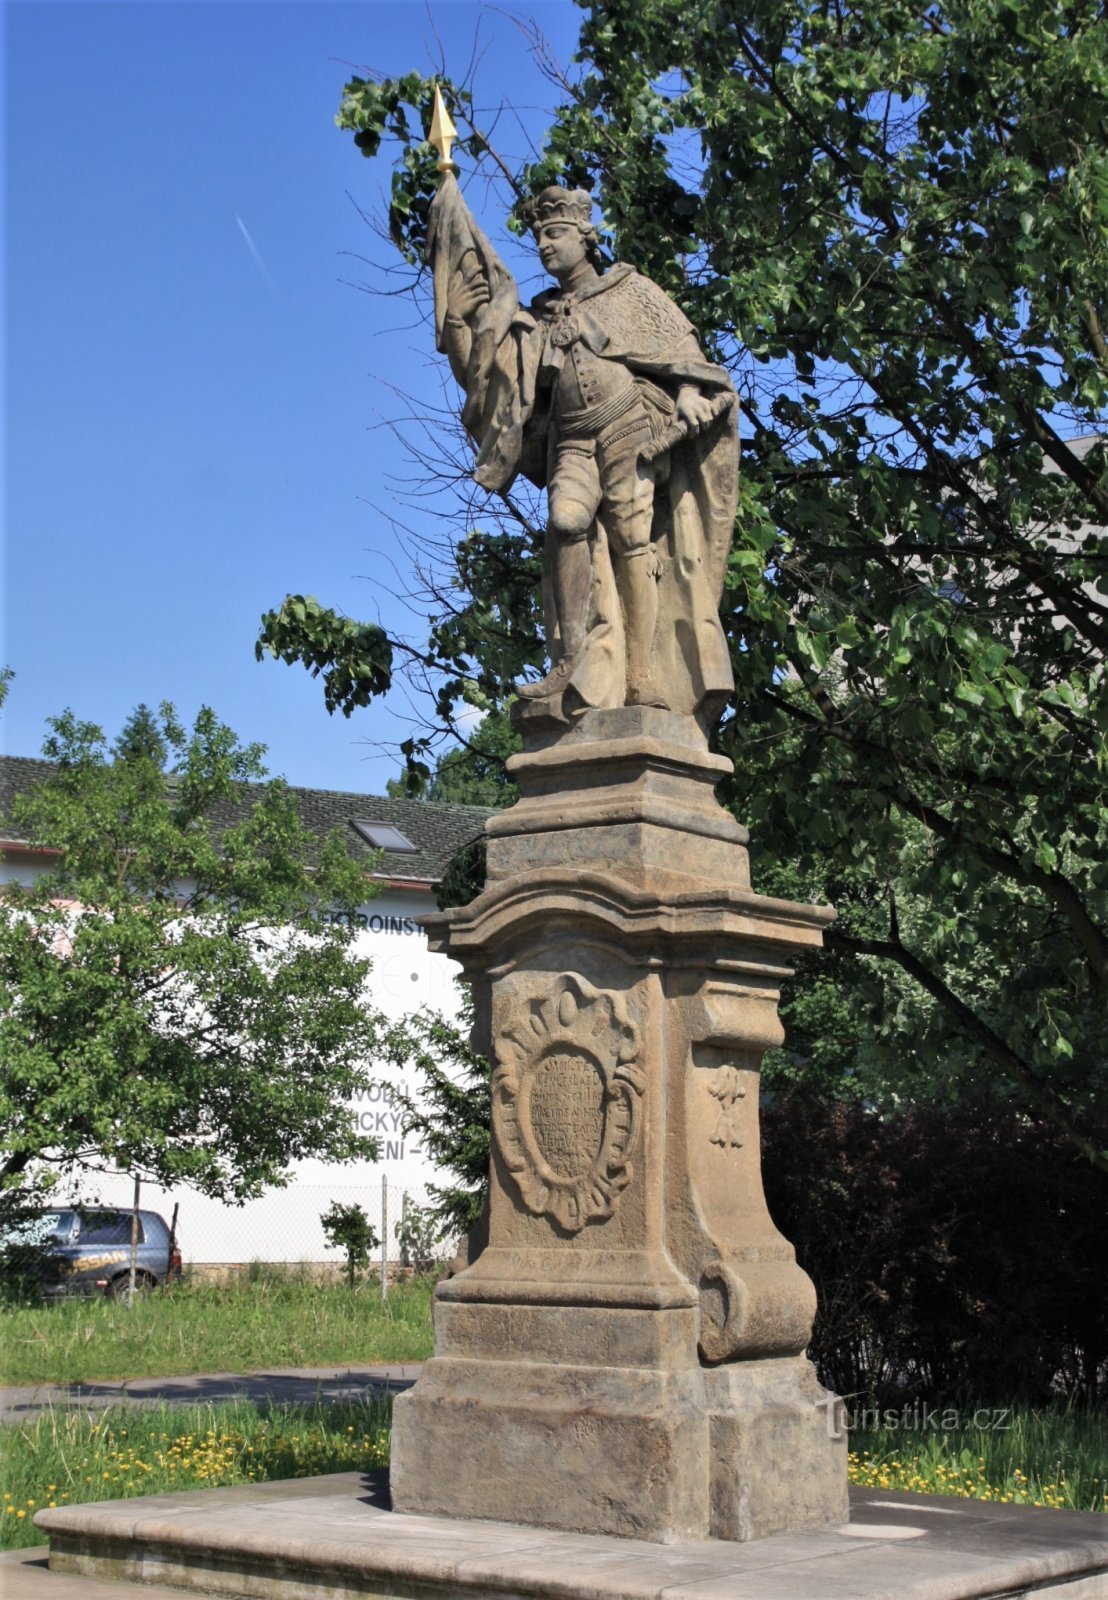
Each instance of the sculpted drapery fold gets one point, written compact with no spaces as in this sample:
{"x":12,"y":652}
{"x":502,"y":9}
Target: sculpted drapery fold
{"x":599,"y":392}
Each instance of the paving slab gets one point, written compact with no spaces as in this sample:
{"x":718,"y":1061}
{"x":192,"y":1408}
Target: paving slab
{"x":275,"y":1386}
{"x":337,"y":1537}
{"x":25,"y":1575}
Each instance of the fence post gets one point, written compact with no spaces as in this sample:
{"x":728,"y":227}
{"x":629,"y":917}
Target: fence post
{"x":133,"y":1273}
{"x":169,"y":1279}
{"x":405,"y":1259}
{"x":384,"y":1238}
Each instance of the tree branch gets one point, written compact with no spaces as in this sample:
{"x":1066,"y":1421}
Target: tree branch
{"x":1038,"y":1093}
{"x":1054,"y":885}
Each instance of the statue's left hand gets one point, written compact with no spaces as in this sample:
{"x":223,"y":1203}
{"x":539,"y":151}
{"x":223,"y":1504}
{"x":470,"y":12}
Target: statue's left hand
{"x":694,"y":409}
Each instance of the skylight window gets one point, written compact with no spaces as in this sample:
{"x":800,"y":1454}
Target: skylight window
{"x":383,"y":836}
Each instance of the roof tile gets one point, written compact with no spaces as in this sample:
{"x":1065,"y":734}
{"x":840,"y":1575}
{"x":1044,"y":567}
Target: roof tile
{"x":437,"y":831}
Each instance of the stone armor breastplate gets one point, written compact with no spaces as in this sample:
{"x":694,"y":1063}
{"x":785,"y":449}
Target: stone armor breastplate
{"x":590,"y":387}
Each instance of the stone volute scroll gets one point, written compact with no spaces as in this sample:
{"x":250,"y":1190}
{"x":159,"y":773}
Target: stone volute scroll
{"x":565,"y":1101}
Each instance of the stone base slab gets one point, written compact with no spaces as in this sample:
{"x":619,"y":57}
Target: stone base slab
{"x":335,"y":1538}
{"x":742,"y":1451}
{"x":597,"y":1449}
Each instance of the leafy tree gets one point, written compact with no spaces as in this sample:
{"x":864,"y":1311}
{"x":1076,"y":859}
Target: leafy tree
{"x":450,"y":1112}
{"x":347,"y":1227}
{"x":141,"y":735}
{"x":955,"y":1250}
{"x":473,"y":773}
{"x":892,"y":224}
{"x":22,"y":1196}
{"x":173,"y":1002}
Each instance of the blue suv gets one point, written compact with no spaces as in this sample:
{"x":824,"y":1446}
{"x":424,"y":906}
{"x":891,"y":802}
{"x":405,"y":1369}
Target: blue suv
{"x":87,"y":1250}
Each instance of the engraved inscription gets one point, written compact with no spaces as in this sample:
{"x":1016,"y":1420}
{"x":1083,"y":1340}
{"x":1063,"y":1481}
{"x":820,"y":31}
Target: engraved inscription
{"x":566,"y":1105}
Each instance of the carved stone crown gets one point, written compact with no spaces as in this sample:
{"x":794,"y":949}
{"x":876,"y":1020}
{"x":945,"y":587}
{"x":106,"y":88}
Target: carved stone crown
{"x":555,"y":204}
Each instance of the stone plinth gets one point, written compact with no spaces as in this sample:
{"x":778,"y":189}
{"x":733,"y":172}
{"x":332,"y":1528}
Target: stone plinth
{"x":626,"y":1355}
{"x":335,"y":1538}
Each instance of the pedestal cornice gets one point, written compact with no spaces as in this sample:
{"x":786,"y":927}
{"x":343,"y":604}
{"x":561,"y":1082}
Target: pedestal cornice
{"x":736,"y":921}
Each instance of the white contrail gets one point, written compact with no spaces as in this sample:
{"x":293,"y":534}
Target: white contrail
{"x":253,"y":249}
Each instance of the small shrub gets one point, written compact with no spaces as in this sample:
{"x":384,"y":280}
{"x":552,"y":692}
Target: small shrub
{"x":955,"y":1250}
{"x":417,"y":1234}
{"x":348,"y":1228}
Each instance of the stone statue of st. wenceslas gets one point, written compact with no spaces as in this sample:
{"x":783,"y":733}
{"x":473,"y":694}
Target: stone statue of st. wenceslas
{"x":598,"y":391}
{"x":623,"y":1351}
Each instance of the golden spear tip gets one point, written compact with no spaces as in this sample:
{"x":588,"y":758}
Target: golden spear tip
{"x":443,"y":133}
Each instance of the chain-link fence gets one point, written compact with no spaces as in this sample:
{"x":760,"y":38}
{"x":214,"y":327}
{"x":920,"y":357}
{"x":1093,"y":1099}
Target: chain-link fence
{"x":285,"y":1228}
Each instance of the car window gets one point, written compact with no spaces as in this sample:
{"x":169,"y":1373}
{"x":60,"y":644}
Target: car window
{"x":49,"y":1228}
{"x":107,"y":1227}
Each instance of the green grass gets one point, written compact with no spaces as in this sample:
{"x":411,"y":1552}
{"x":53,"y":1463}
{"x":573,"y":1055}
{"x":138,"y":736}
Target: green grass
{"x":276,"y":1320}
{"x":1053,"y":1457}
{"x":66,"y":1457}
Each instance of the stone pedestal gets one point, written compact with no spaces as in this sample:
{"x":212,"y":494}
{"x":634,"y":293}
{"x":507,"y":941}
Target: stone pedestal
{"x":626,"y":1354}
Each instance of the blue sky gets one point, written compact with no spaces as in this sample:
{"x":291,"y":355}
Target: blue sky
{"x":192,"y":387}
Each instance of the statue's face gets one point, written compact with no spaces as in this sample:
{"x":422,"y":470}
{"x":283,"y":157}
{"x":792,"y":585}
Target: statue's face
{"x":561,"y":247}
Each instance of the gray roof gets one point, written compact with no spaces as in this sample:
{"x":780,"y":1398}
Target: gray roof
{"x":437,"y":831}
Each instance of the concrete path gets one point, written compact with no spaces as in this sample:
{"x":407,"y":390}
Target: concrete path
{"x":279,"y":1386}
{"x":24,"y":1575}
